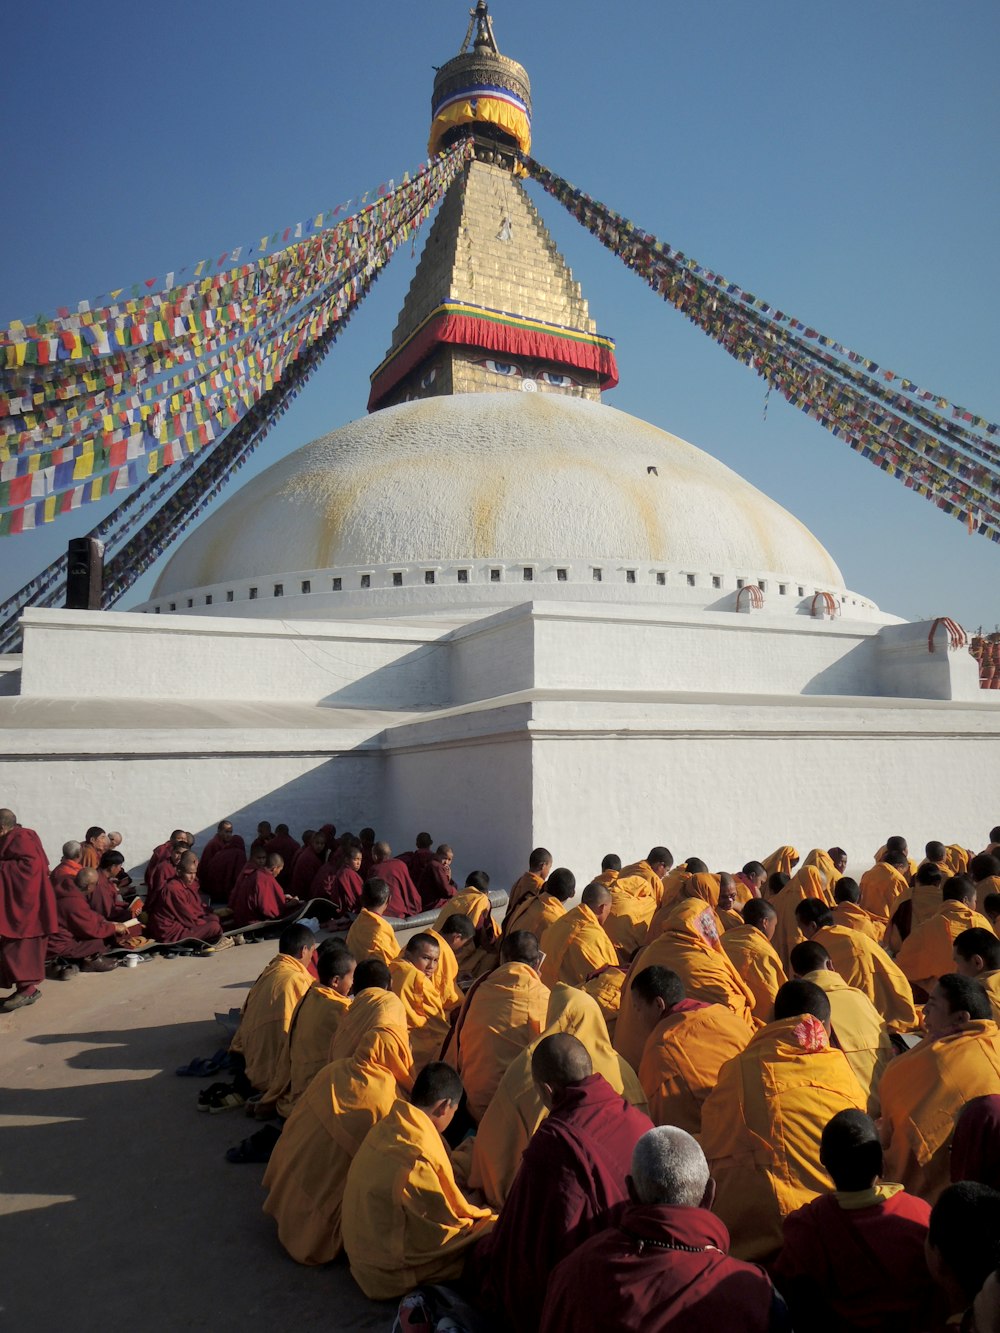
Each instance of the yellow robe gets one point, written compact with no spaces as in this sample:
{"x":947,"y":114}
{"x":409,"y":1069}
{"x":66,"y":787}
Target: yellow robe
{"x":759,"y":967}
{"x":473,"y":958}
{"x":575,"y":946}
{"x":528,"y":886}
{"x":517,"y":1109}
{"x":927,"y":951}
{"x":308,"y":1168}
{"x":761,"y":1128}
{"x":682,"y":1058}
{"x":633,"y":904}
{"x":816,"y":876}
{"x":405,"y":1220}
{"x":866,"y":965}
{"x":643,"y":870}
{"x":991,"y":984}
{"x":882,"y":890}
{"x":781,"y":862}
{"x":859,"y":1030}
{"x":372,"y":937}
{"x":266,"y":1015}
{"x":984,"y":888}
{"x":854,"y":917}
{"x":690,"y":947}
{"x":426,"y":1019}
{"x":814,"y":880}
{"x":306,"y":1048}
{"x":502,"y":1015}
{"x":606,"y":988}
{"x":534,"y":914}
{"x":731,"y":919}
{"x":956,"y":859}
{"x":686,"y":885}
{"x":922,"y":1093}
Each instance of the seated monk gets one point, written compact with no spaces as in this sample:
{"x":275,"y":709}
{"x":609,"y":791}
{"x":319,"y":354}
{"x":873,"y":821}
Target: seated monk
{"x":309,"y":860}
{"x":267,"y":1010}
{"x":113,"y":883}
{"x":923,"y":1090}
{"x":885,"y":886}
{"x":259,"y":897}
{"x":856,"y":1025}
{"x":917,"y":905}
{"x":691,"y":947}
{"x":530,"y":883}
{"x":652,"y":870}
{"x":503,"y":1012}
{"x":663,"y":1265}
{"x":371,"y":936}
{"x":606,"y":986}
{"x":725,"y":908}
{"x":339,"y":881}
{"x":984,"y":871}
{"x":991,"y":910}
{"x":366,"y":837}
{"x":815,"y":879}
{"x":688,"y":1042}
{"x":847,"y":910}
{"x":516,"y":1109}
{"x":854,"y":1258}
{"x":474,"y":902}
{"x":896,"y":846}
{"x":633,"y":903}
{"x":961,"y":1254}
{"x":404,"y":900}
{"x":160,"y":853}
{"x":420,"y":858}
{"x":975,"y":1149}
{"x":81,"y":935}
{"x":455,"y":933}
{"x":413,"y":981}
{"x":781,"y":862}
{"x":862,"y":963}
{"x":748,"y":948}
{"x":536,"y":911}
{"x":164,"y":869}
{"x":93,"y":847}
{"x":405,"y":1221}
{"x":435,"y":884}
{"x":678,"y":885}
{"x":926,"y":953}
{"x":284,"y":845}
{"x":571,"y":1176}
{"x":977,"y":955}
{"x":761,"y":1125}
{"x":775,"y":883}
{"x":69,"y":867}
{"x":750,"y":883}
{"x":227,"y":858}
{"x":577,"y":945}
{"x":177,"y":912}
{"x":368,"y":1067}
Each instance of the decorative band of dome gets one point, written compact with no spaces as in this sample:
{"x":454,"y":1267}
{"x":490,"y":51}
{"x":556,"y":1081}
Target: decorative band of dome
{"x":474,"y":91}
{"x":467,"y":325}
{"x":483,"y":104}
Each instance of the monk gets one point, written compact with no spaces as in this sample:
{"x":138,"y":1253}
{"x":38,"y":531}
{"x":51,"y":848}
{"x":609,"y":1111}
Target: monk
{"x":405,"y":1221}
{"x":165,"y":868}
{"x":339,"y":882}
{"x":884,"y":887}
{"x":688,"y":1042}
{"x":977,"y":954}
{"x":474,"y":902}
{"x":503,"y":1012}
{"x":81,"y":937}
{"x":259,"y":897}
{"x":862,"y":963}
{"x":775,"y":883}
{"x":177,"y":911}
{"x":108,"y":895}
{"x":726,"y":911}
{"x":975,"y":1149}
{"x":404,"y":900}
{"x":762,"y":1124}
{"x":633,"y":903}
{"x":690,"y":947}
{"x":750,"y":883}
{"x":27,"y":912}
{"x":309,"y":860}
{"x":426,"y":1012}
{"x":366,"y":837}
{"x":455,"y":933}
{"x":282,"y":843}
{"x":927,"y":952}
{"x":517,"y":1110}
{"x":923,"y":1090}
{"x":577,"y":945}
{"x":371,"y":936}
{"x":678,"y":884}
{"x":918,"y":905}
{"x":420,"y":858}
{"x":984,"y":871}
{"x":369,"y":1067}
{"x":571,"y":1176}
{"x":535,"y":912}
{"x":179,"y":835}
{"x":854,"y":1258}
{"x":749,"y":949}
{"x":95,"y":844}
{"x":856,"y":1026}
{"x":69,"y":866}
{"x":434,"y":882}
{"x":961,"y":1254}
{"x":815,"y":879}
{"x":539,"y":865}
{"x":663,"y":1266}
{"x":781,"y":862}
{"x":847,"y":910}
{"x":657,"y":863}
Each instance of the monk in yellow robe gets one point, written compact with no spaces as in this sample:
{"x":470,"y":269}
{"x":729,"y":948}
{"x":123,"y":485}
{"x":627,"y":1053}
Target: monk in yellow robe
{"x":984,"y":871}
{"x":606,"y":988}
{"x":687,"y":1044}
{"x":729,"y":917}
{"x":858,"y":1029}
{"x":633,"y":903}
{"x":897,"y":852}
{"x":677,"y":886}
{"x":926,"y":953}
{"x":473,"y":901}
{"x":977,"y":955}
{"x":815,"y":879}
{"x":848,"y":911}
{"x":369,"y":1062}
{"x":862,"y":963}
{"x":503,"y":1013}
{"x":577,"y":945}
{"x":923,"y":1091}
{"x":371,"y":936}
{"x":413,"y":980}
{"x":530,"y":883}
{"x":268,"y":1009}
{"x":884,"y":887}
{"x":454,"y":935}
{"x":749,"y":949}
{"x":690,"y":947}
{"x":781,"y":862}
{"x":537,"y":911}
{"x":761,"y":1125}
{"x":517,"y":1108}
{"x":653,"y":869}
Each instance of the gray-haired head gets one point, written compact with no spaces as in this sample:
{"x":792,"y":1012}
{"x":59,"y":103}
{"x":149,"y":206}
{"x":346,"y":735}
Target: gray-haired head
{"x":669,"y":1167}
{"x":71,"y":851}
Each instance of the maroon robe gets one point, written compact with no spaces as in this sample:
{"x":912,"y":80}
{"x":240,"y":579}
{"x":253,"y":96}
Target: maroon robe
{"x":180,"y":914}
{"x":159,"y":854}
{"x":435,"y":886}
{"x":162,"y":872}
{"x":27,"y":907}
{"x":416,"y":861}
{"x":106,"y":899}
{"x":404,"y":900}
{"x":286,"y":847}
{"x":975,"y":1149}
{"x":65,"y":873}
{"x":257,"y":897}
{"x":307,"y":867}
{"x":341,"y":887}
{"x":367,"y":862}
{"x":222,"y":871}
{"x":80,"y":932}
{"x":571,"y":1175}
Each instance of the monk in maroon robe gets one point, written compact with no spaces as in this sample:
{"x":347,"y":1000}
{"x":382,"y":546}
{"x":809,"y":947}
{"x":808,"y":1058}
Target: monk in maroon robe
{"x":163,"y":851}
{"x":367,"y":840}
{"x":340,"y":885}
{"x":307,"y":866}
{"x":571,"y":1175}
{"x":221,"y":862}
{"x":286,"y":847}
{"x":435,"y":884}
{"x":404,"y":900}
{"x":417,"y":860}
{"x":259,"y":896}
{"x":82,"y":935}
{"x":165,"y":869}
{"x":975,"y":1149}
{"x":70,"y":865}
{"x":27,"y":911}
{"x":178,"y":912}
{"x":663,"y":1265}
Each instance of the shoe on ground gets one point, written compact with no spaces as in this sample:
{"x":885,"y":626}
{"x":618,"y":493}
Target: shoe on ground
{"x":20,"y":1000}
{"x":98,"y":964}
{"x":67,"y":971}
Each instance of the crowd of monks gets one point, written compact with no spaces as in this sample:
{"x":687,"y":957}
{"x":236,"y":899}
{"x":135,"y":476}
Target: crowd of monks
{"x":771,"y":1095}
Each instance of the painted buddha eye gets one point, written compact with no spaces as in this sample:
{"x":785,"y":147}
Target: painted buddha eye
{"x":556,"y":380}
{"x":506,"y":368}
{"x":429,"y":378}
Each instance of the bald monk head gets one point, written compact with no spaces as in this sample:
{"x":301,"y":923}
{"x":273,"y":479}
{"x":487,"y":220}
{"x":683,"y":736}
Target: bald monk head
{"x":275,"y":863}
{"x":437,"y":1092}
{"x":659,"y":860}
{"x":851,"y":1152}
{"x":297,"y":941}
{"x":375,"y":896}
{"x":71,"y":851}
{"x":959,"y":889}
{"x":961,"y":1245}
{"x":694,"y":865}
{"x":955,"y":1002}
{"x":8,"y":820}
{"x":557,"y":1063}
{"x":335,"y":967}
{"x":809,"y":957}
{"x":457,"y":930}
{"x":520,"y":946}
{"x":561,"y":885}
{"x":727,"y":892}
{"x":540,"y":862}
{"x":281,"y":830}
{"x":478,"y":879}
{"x":976,"y":951}
{"x":776,"y":882}
{"x":669,"y":1170}
{"x":655,"y":991}
{"x":85,"y":879}
{"x":839,"y":858}
{"x":424,"y":841}
{"x":372,"y":974}
{"x":424,"y":952}
{"x":847,"y":891}
{"x":812,"y":914}
{"x":983,"y":867}
{"x":611,"y":862}
{"x":114,"y":840}
{"x":381,"y":851}
{"x":187,"y":868}
{"x":444,"y":855}
{"x":598,"y":899}
{"x":930,"y":875}
{"x":898,"y":860}
{"x":935,"y":851}
{"x":897,"y":843}
{"x":796,"y":998}
{"x":224,"y":829}
{"x":756,"y":874}
{"x":759,"y":912}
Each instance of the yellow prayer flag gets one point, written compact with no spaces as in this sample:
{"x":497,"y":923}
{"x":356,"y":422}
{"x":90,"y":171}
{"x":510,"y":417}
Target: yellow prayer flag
{"x":49,"y":509}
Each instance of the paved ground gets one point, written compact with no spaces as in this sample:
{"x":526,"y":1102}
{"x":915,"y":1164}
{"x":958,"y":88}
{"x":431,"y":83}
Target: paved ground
{"x":115,"y":1201}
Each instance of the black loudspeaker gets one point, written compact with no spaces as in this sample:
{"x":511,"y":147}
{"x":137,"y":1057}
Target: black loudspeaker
{"x":84,"y":574}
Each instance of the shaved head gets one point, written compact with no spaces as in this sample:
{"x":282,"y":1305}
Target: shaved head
{"x":86,"y":878}
{"x":560,"y":1061}
{"x":8,"y":820}
{"x":595,"y":895}
{"x":71,"y":851}
{"x":668,"y":1167}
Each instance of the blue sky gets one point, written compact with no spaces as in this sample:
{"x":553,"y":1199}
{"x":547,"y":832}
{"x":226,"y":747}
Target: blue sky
{"x":839,"y":161}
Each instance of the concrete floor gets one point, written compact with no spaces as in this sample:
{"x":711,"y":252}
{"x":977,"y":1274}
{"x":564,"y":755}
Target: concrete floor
{"x":116,"y":1204}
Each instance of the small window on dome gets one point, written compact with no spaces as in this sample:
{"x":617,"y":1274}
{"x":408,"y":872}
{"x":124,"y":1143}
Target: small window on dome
{"x":253,"y":594}
{"x":173,"y":606}
{"x":366,"y":580}
{"x":661,"y":578}
{"x":562,"y":575}
{"x":741,"y":583}
{"x":229,"y":595}
{"x":528,"y":574}
{"x":802,"y":591}
{"x":428,"y":576}
{"x":494,"y":576}
{"x":190,"y":601}
{"x":156,"y":610}
{"x":630,"y":576}
{"x":716,"y":580}
{"x":463,"y":576}
{"x":279,"y":590}
{"x":762,"y":585}
{"x":692,"y":579}
{"x":338,"y":584}
{"x":208,"y":600}
{"x":397,"y":578}
{"x":782,"y":589}
{"x":306,"y":585}
{"x":598,"y":575}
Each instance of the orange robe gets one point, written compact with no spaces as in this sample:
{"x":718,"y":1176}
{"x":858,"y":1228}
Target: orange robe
{"x":991,"y":984}
{"x":704,"y":886}
{"x":864,"y":964}
{"x":371,"y":936}
{"x":534,"y":914}
{"x":633,"y":904}
{"x":606,"y":988}
{"x":781,"y":862}
{"x":502,"y":1015}
{"x":854,"y":917}
{"x":882,"y":890}
{"x":306,"y":1048}
{"x":528,"y":886}
{"x":922,"y":1093}
{"x":682,"y":1058}
{"x":816,"y":876}
{"x":643,"y":870}
{"x":575,"y":947}
{"x":761,"y":1128}
{"x":426,"y":1018}
{"x":476,"y":955}
{"x":731,"y":920}
{"x":815,"y":879}
{"x":926,"y":953}
{"x":690,"y":947}
{"x":370,"y":1060}
{"x":266,"y":1015}
{"x":859,"y":1030}
{"x":985,"y":887}
{"x":759,"y":967}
